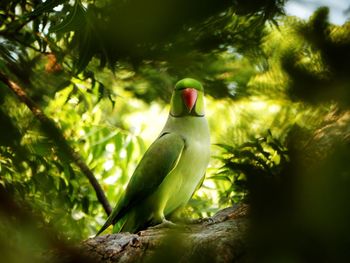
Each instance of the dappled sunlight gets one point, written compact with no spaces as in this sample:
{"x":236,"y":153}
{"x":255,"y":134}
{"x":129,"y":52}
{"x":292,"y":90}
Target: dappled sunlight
{"x":147,"y":122}
{"x":114,"y":139}
{"x":84,"y":92}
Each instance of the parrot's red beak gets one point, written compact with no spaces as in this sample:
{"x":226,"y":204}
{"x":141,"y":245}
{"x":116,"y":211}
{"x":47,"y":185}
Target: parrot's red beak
{"x":189,"y":96}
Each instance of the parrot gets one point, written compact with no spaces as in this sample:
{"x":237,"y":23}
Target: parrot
{"x":172,"y":168}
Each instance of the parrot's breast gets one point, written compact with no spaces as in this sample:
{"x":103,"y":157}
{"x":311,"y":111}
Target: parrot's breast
{"x":179,"y":185}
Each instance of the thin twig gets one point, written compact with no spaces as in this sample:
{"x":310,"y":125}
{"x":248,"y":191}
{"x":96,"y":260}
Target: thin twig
{"x":55,"y":133}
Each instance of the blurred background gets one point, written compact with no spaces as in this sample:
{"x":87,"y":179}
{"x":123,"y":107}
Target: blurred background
{"x":277,"y":79}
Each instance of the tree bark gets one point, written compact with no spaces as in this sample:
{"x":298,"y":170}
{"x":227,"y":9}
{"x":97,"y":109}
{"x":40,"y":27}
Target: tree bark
{"x":221,"y":238}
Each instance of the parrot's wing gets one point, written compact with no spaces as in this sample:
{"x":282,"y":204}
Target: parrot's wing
{"x":158,"y":161}
{"x":200,"y":183}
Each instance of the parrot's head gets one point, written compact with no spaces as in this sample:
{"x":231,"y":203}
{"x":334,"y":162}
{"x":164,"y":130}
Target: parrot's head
{"x":187,"y":99}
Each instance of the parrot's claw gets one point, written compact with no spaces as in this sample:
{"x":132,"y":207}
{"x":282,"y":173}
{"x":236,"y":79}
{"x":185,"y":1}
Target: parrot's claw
{"x":165,"y":224}
{"x":204,"y":221}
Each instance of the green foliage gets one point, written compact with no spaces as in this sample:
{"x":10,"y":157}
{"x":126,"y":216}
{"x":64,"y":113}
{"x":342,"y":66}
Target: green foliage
{"x":131,"y":34}
{"x":262,"y":157}
{"x":137,"y":30}
{"x":263,"y":74}
{"x":325,"y":74}
{"x":32,"y":169}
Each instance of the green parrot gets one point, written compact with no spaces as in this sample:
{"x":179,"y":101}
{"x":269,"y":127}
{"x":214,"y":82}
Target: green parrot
{"x":172,"y":167}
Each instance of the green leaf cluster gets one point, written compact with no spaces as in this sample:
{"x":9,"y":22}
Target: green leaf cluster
{"x":262,"y":157}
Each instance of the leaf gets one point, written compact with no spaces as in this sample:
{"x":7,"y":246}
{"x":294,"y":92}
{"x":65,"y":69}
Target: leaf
{"x":85,"y":203}
{"x":63,"y":84}
{"x":220,"y":177}
{"x":101,"y":91}
{"x":278,"y":147}
{"x":118,"y":141}
{"x":46,"y":6}
{"x":105,"y":139}
{"x":62,"y":185}
{"x":129,"y":150}
{"x":141,"y":143}
{"x":72,"y":174}
{"x":41,"y":148}
{"x":73,"y":21}
{"x":254,"y":157}
{"x":72,"y":92}
{"x":111,"y":100}
{"x":226,"y":147}
{"x":86,"y":50}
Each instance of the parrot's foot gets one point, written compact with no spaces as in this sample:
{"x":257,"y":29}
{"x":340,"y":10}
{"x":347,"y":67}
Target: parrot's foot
{"x":204,"y":221}
{"x":165,"y":224}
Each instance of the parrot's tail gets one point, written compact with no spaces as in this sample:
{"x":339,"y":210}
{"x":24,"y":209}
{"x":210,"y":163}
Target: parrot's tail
{"x":119,"y":225}
{"x":132,"y":222}
{"x":104,"y":227}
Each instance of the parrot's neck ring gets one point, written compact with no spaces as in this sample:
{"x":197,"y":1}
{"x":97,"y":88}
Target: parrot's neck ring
{"x":190,"y":115}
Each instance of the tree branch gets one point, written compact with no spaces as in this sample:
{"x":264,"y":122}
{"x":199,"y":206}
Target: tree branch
{"x":54,"y":132}
{"x":221,"y":238}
